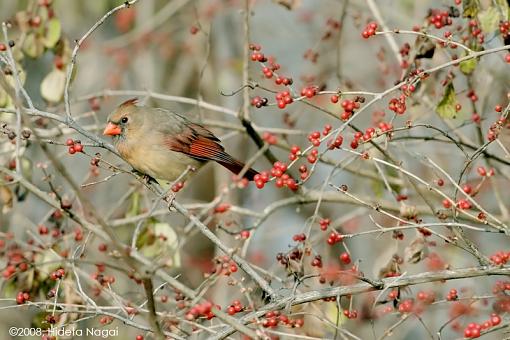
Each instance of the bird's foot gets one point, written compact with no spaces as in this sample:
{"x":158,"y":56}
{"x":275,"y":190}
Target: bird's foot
{"x":146,"y":178}
{"x":169,"y":198}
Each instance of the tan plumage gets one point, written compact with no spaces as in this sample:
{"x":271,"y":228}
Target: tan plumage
{"x":162,"y":144}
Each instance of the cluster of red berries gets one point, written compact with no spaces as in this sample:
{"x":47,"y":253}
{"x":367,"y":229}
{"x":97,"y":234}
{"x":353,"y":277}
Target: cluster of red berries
{"x":349,"y":106}
{"x":398,"y":105}
{"x":57,"y":274}
{"x":474,"y":329}
{"x":74,"y":146}
{"x":324,"y":223}
{"x":495,"y":128}
{"x":357,"y":137}
{"x":406,"y":306}
{"x":299,"y":237}
{"x":335,"y":143}
{"x":261,"y":179}
{"x":408,"y":89}
{"x":283,"y":99}
{"x":471,"y":94}
{"x":226,"y":265}
{"x":350,"y":314}
{"x":312,"y":157}
{"x":294,"y":152}
{"x":426,"y":297}
{"x":476,"y":31}
{"x":314,"y":138}
{"x":464,"y":204}
{"x":176,"y":187}
{"x":369,"y":30}
{"x":235,"y":307}
{"x":500,"y":258}
{"x":283,"y":179}
{"x":201,"y":310}
{"x":309,"y":91}
{"x":256,"y":54}
{"x":259,"y":101}
{"x":439,"y":18}
{"x":317,"y":261}
{"x":269,"y":138}
{"x":345,"y":258}
{"x":22,"y":297}
{"x":504,"y":28}
{"x":452,"y":295}
{"x":303,"y":172}
{"x":104,"y":280}
{"x":274,"y":318}
{"x":334,"y":238}
{"x":501,"y":287}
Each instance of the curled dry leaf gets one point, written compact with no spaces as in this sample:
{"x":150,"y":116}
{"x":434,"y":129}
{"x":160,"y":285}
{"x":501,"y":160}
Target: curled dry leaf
{"x":6,"y":198}
{"x":52,"y":87}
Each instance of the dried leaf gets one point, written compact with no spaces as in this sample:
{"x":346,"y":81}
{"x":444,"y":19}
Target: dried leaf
{"x":52,"y":87}
{"x":33,"y":46}
{"x":6,"y":198}
{"x":159,"y":240}
{"x":489,"y":19}
{"x":468,"y":66}
{"x":416,"y":250}
{"x":471,"y":8}
{"x":53,"y":33}
{"x":446,"y":107}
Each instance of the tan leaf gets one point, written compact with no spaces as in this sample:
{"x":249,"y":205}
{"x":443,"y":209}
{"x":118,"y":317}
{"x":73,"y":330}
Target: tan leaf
{"x":6,"y":198}
{"x":52,"y":87}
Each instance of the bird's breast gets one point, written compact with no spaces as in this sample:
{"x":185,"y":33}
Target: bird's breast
{"x":156,"y":161}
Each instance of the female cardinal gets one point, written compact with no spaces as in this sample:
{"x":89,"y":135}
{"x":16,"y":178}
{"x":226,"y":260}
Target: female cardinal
{"x":162,"y":144}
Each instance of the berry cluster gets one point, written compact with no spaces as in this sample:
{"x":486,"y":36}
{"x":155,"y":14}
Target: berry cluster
{"x":398,"y":105}
{"x":439,"y":18}
{"x":452,"y":295}
{"x":334,"y":238}
{"x":406,"y":306}
{"x":235,"y":307}
{"x":299,"y":237}
{"x":324,"y":223}
{"x":22,"y":297}
{"x":504,"y":28}
{"x":269,"y":138}
{"x":369,"y":30}
{"x":295,"y":151}
{"x":200,"y":310}
{"x":309,"y":91}
{"x":261,"y":179}
{"x":500,"y":258}
{"x":303,"y":172}
{"x":176,"y":187}
{"x":57,"y":274}
{"x":495,"y":128}
{"x":258,"y":101}
{"x":312,"y":157}
{"x":283,"y":99}
{"x":349,"y":106}
{"x":474,"y":329}
{"x":283,"y":179}
{"x":74,"y":146}
{"x":317,"y":261}
{"x":274,"y":318}
{"x":350,"y":314}
{"x":476,"y":31}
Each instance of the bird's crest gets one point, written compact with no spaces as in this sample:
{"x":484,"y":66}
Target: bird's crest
{"x":129,"y":102}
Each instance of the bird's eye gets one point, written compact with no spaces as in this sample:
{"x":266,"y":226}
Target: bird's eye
{"x":124,"y":120}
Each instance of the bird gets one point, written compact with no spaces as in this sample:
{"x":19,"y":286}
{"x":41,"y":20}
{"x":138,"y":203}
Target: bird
{"x":163,"y":144}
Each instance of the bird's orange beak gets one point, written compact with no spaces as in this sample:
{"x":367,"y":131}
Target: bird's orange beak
{"x":112,"y":130}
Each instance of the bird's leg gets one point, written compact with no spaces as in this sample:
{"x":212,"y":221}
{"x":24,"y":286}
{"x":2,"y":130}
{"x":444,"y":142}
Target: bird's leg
{"x":148,"y":179}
